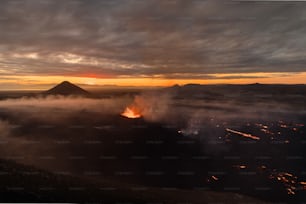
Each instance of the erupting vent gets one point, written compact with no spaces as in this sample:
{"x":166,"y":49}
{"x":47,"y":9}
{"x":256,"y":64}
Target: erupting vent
{"x":131,"y":112}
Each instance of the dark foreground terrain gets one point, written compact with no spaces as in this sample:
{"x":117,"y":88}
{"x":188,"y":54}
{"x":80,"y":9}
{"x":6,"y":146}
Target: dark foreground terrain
{"x":27,"y":184}
{"x":193,"y":144}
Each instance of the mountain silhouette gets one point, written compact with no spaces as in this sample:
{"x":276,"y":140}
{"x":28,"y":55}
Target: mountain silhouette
{"x":66,"y":88}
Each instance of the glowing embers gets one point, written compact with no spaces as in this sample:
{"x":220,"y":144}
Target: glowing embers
{"x":131,"y":112}
{"x":289,"y":181}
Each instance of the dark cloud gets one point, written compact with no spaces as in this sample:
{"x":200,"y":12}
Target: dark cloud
{"x":151,"y":37}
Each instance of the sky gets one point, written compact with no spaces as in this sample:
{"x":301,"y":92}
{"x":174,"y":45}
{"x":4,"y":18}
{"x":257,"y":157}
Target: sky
{"x":151,"y":42}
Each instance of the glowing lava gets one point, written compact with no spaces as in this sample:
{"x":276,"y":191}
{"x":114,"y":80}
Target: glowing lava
{"x":131,"y":112}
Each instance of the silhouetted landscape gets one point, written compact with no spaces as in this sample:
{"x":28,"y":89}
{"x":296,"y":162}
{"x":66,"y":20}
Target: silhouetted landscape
{"x":192,"y":143}
{"x":153,"y":101}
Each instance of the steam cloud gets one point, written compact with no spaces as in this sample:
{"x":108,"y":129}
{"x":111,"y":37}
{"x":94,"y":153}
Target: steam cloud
{"x":189,"y":115}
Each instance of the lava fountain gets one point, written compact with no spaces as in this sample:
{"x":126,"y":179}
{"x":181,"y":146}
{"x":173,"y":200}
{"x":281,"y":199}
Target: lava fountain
{"x":131,"y":112}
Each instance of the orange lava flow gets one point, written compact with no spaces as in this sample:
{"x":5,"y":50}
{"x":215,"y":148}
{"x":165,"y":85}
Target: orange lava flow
{"x":243,"y":134}
{"x":131,"y":113}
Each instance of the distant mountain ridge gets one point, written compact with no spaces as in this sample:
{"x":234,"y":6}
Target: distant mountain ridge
{"x":66,"y":88}
{"x":239,"y":92}
{"x":232,"y":88}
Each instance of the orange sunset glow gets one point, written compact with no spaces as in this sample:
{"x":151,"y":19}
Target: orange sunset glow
{"x":41,"y":82}
{"x":146,"y":52}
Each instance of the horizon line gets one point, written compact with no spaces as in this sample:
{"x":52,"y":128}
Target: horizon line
{"x":106,"y":86}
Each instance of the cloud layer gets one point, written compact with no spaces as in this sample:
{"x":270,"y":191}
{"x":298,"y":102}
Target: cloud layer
{"x":172,"y":38}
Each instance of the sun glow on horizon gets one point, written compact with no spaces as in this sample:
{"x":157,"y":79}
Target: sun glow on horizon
{"x":42,"y":82}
